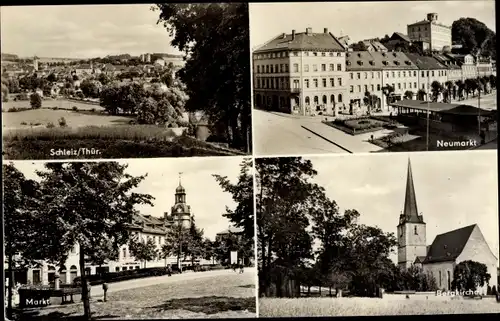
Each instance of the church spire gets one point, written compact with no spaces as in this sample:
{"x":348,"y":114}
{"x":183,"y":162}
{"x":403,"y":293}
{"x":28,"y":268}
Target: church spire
{"x":410,"y":212}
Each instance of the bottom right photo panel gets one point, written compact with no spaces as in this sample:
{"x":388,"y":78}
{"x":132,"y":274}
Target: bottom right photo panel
{"x":378,"y":234}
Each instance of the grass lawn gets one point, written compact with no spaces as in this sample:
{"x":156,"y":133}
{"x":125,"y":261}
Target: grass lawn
{"x":307,"y":307}
{"x":221,"y":296}
{"x":50,"y":103}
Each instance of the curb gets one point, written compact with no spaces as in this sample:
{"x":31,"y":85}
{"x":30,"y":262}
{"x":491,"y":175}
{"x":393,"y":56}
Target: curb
{"x":343,"y":148}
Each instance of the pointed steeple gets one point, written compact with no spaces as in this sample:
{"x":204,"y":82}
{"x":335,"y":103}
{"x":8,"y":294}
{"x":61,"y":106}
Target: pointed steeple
{"x":410,"y":212}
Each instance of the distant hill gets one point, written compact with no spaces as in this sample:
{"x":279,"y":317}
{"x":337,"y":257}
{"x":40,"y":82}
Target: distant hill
{"x":474,"y":36}
{"x":165,"y":55}
{"x":7,"y":57}
{"x":119,"y":57}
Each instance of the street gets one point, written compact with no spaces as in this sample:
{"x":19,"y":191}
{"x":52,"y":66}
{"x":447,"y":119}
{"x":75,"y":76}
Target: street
{"x":487,"y":101}
{"x":276,"y":134}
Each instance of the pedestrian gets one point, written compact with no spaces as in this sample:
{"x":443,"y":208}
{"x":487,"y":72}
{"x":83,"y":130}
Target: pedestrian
{"x":105,"y":289}
{"x":234,"y":267}
{"x":241,"y":268}
{"x":88,"y":289}
{"x":169,"y":271}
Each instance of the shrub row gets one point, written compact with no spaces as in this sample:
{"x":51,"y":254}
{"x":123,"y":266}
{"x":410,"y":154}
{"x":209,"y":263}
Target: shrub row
{"x":16,"y":109}
{"x":111,"y":277}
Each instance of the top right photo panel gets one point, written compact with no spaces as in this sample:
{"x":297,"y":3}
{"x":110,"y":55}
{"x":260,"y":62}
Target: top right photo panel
{"x":373,"y":77}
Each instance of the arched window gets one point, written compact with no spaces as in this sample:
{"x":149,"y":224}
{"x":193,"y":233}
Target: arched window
{"x":316,"y":100}
{"x":332,"y":99}
{"x":51,"y":275}
{"x":340,"y":98}
{"x":72,"y":273}
{"x":307,"y":100}
{"x":62,"y":274}
{"x":325,"y":100}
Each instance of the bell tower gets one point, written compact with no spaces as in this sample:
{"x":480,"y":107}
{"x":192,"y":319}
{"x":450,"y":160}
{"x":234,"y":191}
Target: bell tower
{"x":181,"y":212}
{"x":411,"y":228}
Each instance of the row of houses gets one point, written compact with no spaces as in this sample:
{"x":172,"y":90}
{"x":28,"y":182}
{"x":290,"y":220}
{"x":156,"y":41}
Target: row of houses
{"x":310,"y":73}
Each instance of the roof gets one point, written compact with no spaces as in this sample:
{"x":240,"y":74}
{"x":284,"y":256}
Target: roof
{"x":448,"y":246}
{"x":425,"y":62}
{"x":419,"y":259}
{"x":365,"y":60}
{"x":303,"y":41}
{"x":84,"y":66}
{"x":449,"y":62}
{"x":231,"y":230}
{"x":444,"y":108}
{"x":401,"y":36}
{"x":410,"y":212}
{"x":421,"y":22}
{"x":180,"y":189}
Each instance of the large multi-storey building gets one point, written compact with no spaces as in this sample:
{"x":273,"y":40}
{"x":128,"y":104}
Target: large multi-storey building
{"x":370,"y":72}
{"x":143,"y":228}
{"x":430,"y":70}
{"x":301,"y":73}
{"x":431,"y":31}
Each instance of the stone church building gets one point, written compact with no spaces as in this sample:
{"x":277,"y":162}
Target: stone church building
{"x":446,"y":251}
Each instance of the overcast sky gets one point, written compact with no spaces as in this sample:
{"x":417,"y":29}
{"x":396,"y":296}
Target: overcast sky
{"x":82,"y":31}
{"x":453,"y":189}
{"x":207,"y":200}
{"x":359,"y":20}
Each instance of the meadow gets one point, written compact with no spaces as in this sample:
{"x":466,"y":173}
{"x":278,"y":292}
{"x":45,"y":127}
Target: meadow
{"x":309,"y":307}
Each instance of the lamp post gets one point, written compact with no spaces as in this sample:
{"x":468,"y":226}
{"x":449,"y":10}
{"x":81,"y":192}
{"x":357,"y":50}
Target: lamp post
{"x":478,"y":97}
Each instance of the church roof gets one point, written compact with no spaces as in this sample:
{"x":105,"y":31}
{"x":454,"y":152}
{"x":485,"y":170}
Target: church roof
{"x":410,"y":212}
{"x":448,"y":246}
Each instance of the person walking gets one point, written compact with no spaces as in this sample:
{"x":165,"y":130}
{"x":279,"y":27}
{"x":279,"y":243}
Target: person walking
{"x":105,"y":289}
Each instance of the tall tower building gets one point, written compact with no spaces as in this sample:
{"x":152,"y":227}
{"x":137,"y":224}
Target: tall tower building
{"x":181,"y":212}
{"x":411,"y":228}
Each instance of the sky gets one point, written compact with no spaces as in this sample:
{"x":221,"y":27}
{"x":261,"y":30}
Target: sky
{"x":453,"y":189}
{"x":82,"y":31}
{"x":207,"y":200}
{"x":362,"y":20}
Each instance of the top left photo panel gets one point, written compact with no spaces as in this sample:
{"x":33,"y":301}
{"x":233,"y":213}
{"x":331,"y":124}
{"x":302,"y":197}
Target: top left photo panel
{"x":125,"y":81}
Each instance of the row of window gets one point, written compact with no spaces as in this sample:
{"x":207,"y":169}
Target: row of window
{"x":284,"y":54}
{"x":379,"y":88}
{"x":440,"y":73}
{"x":281,"y":68}
{"x":283,"y":83}
{"x":324,"y":100}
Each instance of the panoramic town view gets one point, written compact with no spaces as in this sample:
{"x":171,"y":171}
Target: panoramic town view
{"x":129,"y":239}
{"x":114,"y":81}
{"x":424,"y":80}
{"x":410,"y":238}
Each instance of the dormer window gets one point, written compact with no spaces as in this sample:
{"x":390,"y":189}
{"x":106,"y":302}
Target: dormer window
{"x":396,"y":62}
{"x":360,"y":63}
{"x":348,"y":63}
{"x":384,"y":54}
{"x":359,"y":54}
{"x":372,"y":62}
{"x":385,"y":62}
{"x":394,"y":54}
{"x":408,"y":62}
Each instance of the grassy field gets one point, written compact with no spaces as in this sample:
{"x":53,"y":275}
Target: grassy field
{"x":307,"y":307}
{"x":221,"y":296}
{"x":50,"y":103}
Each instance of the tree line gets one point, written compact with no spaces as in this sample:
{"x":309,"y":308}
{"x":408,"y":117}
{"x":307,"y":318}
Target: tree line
{"x":92,"y":206}
{"x":293,"y":213}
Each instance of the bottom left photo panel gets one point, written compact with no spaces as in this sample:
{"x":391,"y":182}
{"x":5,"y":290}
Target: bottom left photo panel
{"x":121,"y":239}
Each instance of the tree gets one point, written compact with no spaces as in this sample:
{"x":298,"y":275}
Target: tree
{"x":474,"y":36}
{"x":436,"y":89}
{"x":388,"y":91}
{"x":409,"y":94}
{"x":195,"y":247}
{"x":214,"y":37}
{"x":421,"y":94}
{"x":176,"y":243}
{"x":449,"y":87}
{"x":89,"y":88}
{"x":51,"y":78}
{"x":370,"y":100}
{"x":85,"y":204}
{"x":35,"y":101}
{"x":469,"y":275}
{"x":147,"y":111}
{"x":103,"y":79}
{"x":493,"y":81}
{"x":242,"y":191}
{"x":143,"y":250}
{"x":283,"y":194}
{"x":359,"y":46}
{"x":19,"y":200}
{"x":5,"y":93}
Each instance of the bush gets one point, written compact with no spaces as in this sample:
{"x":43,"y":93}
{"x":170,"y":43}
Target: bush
{"x":24,"y":123}
{"x":12,"y":110}
{"x":62,"y":122}
{"x":111,"y":277}
{"x":74,"y":108}
{"x":92,"y":110}
{"x":35,"y":101}
{"x":22,"y":96}
{"x":50,"y":125}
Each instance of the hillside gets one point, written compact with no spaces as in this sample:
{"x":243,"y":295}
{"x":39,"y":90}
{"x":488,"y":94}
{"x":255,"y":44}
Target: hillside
{"x":7,"y":57}
{"x":474,"y":36}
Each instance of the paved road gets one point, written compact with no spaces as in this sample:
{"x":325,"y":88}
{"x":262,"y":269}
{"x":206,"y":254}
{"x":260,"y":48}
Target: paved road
{"x":97,"y":291}
{"x":277,"y":134}
{"x":487,"y":102}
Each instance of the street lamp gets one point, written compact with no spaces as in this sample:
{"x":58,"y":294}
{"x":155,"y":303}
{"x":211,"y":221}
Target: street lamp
{"x":478,"y":97}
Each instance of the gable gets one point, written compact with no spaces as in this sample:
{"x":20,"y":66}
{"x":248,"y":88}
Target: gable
{"x":477,"y":249}
{"x":449,"y":246}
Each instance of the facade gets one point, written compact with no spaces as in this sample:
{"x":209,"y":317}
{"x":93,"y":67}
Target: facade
{"x":446,"y":251}
{"x":143,"y":227}
{"x":302,"y":73}
{"x":454,"y":69}
{"x":484,"y":66}
{"x":430,"y":70}
{"x":432,"y":32}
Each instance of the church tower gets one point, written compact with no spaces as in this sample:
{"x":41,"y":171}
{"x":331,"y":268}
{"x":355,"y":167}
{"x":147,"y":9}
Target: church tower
{"x":181,"y":212}
{"x":411,"y":228}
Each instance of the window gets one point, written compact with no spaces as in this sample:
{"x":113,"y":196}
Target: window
{"x":331,"y":54}
{"x":399,"y":85}
{"x":267,"y":69}
{"x":323,"y":54}
{"x":415,"y":73}
{"x":339,"y":54}
{"x":306,"y":68}
{"x":295,"y":67}
{"x":315,"y":54}
{"x":399,"y":74}
{"x":339,"y":81}
{"x":282,"y":68}
{"x":393,"y":86}
{"x":315,"y":83}
{"x":423,"y":73}
{"x":404,"y":73}
{"x":323,"y":67}
{"x":393,"y":74}
{"x":339,"y":67}
{"x":340,"y":97}
{"x":358,"y":75}
{"x":415,"y":85}
{"x":378,"y":87}
{"x":331,"y":67}
{"x":432,"y":73}
{"x":428,"y":73}
{"x":352,"y":75}
{"x":124,"y":252}
{"x":315,"y":67}
{"x":276,"y":68}
{"x":359,"y":88}
{"x":258,"y":69}
{"x":295,"y":53}
{"x":272,"y":69}
{"x":409,"y":84}
{"x":378,"y":74}
{"x":332,"y":82}
{"x":324,"y":82}
{"x":352,"y":89}
{"x":387,"y":74}
{"x":366,"y":75}
{"x":366,"y":88}
{"x":307,"y":83}
{"x":117,"y":269}
{"x":286,"y":67}
{"x":404,"y":85}
{"x":373,"y":74}
{"x":372,"y":87}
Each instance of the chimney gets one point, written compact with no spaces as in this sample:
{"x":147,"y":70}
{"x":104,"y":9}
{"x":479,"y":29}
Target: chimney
{"x":308,"y":31}
{"x":325,"y":30}
{"x":283,"y":36}
{"x":293,"y":34}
